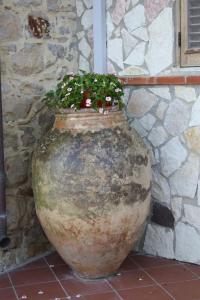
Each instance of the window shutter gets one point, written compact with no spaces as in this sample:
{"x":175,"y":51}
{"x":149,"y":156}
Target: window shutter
{"x":194,"y":24}
{"x":190,"y":33}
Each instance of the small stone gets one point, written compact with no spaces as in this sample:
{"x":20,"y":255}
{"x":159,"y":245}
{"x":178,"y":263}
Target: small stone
{"x":191,"y":215}
{"x":79,"y":8}
{"x":141,"y":33}
{"x":158,"y":136}
{"x":16,"y":170}
{"x":161,"y":39}
{"x":184,"y":182}
{"x":109,"y":4}
{"x":187,"y":243}
{"x":115,"y":52}
{"x":177,"y":117}
{"x":57,"y":50}
{"x":10,"y":27}
{"x":160,"y":188}
{"x":135,"y":18}
{"x":110,"y":26}
{"x":172,"y":155}
{"x":133,"y":70}
{"x":136,"y":57}
{"x":153,"y":8}
{"x":119,"y":11}
{"x":86,"y":19}
{"x":177,"y":208}
{"x":192,"y":136}
{"x":195,"y":120}
{"x":186,"y":93}
{"x":159,"y":241}
{"x":134,"y":2}
{"x":162,"y":92}
{"x":140,"y":103}
{"x":138,"y":127}
{"x":84,"y":47}
{"x":27,"y":3}
{"x":148,"y":121}
{"x":161,"y":109}
{"x":162,"y":215}
{"x":84,"y":64}
{"x":129,"y":42}
{"x":24,"y":297}
{"x":198,"y":193}
{"x":88,"y":3}
{"x":29,"y":60}
{"x":61,"y":5}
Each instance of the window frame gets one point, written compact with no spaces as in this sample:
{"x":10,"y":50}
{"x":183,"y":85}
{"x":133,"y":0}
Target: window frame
{"x":188,"y":57}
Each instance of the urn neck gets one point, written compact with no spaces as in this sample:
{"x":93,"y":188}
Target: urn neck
{"x":87,"y":120}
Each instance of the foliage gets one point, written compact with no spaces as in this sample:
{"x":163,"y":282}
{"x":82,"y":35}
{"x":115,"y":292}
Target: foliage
{"x":87,"y":90}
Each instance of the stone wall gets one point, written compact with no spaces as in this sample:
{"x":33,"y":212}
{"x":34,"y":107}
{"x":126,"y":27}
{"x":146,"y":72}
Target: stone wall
{"x":33,"y":58}
{"x":141,"y":34}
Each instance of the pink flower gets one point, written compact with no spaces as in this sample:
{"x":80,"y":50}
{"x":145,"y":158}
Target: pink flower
{"x":108,"y":99}
{"x":88,"y":102}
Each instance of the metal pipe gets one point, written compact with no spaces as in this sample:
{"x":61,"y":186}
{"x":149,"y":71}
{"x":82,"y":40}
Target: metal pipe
{"x":4,"y":240}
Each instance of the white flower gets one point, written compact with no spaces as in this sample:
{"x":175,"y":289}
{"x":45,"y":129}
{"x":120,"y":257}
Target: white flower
{"x":117,"y":90}
{"x":105,"y":112}
{"x":101,"y":110}
{"x":88,"y":102}
{"x":95,"y":80}
{"x":108,"y":99}
{"x":72,"y":105}
{"x":69,"y":89}
{"x":82,"y":92}
{"x":71,"y":78}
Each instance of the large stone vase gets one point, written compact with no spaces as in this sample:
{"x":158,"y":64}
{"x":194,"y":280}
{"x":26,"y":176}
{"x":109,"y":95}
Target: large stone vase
{"x":91,"y":181}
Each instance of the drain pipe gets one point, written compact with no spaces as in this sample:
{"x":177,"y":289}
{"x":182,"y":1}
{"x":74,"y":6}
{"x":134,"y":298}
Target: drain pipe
{"x":4,"y":240}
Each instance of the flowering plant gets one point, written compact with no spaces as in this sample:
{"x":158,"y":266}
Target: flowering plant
{"x":87,"y":90}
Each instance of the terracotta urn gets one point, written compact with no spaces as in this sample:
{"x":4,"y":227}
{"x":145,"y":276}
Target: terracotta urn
{"x":91,"y":181}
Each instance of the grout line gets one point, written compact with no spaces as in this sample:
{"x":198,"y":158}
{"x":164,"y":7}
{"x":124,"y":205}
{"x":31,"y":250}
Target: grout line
{"x":65,"y":292}
{"x":185,"y":266}
{"x":157,"y":283}
{"x":15,"y":292}
{"x":114,"y":290}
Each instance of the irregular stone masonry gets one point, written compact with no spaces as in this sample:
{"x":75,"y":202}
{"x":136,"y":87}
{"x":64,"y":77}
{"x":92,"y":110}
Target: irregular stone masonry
{"x":32,"y":62}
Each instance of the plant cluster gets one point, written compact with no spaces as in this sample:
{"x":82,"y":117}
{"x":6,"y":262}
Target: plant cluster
{"x":87,"y":90}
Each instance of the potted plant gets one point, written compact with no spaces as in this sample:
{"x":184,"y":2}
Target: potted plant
{"x":96,"y":91}
{"x":91,"y":176}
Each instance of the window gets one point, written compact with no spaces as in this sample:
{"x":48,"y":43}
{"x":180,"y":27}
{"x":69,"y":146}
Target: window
{"x":190,"y":33}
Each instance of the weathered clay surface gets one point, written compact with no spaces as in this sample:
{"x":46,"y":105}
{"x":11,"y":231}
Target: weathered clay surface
{"x":92,"y":192}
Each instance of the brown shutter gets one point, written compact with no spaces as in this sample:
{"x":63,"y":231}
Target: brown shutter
{"x":190,"y":32}
{"x":194,"y":24}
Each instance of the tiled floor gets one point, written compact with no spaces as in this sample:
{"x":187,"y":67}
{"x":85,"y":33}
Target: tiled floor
{"x":140,"y":278}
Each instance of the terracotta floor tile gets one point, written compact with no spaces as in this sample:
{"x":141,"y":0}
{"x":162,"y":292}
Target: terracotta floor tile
{"x":193,"y":268}
{"x":43,"y":291}
{"x":128,"y":265}
{"x":149,"y":261}
{"x":7,"y":294}
{"x":165,"y":274}
{"x":62,"y":272}
{"x":54,"y":259}
{"x":130,"y":279}
{"x":85,"y":287}
{"x":40,"y":263}
{"x":103,"y":296}
{"x":189,"y":290}
{"x":145,"y":293}
{"x":24,"y":277}
{"x":4,"y":281}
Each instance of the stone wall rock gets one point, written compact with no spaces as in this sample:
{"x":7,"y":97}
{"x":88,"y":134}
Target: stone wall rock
{"x":30,"y":66}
